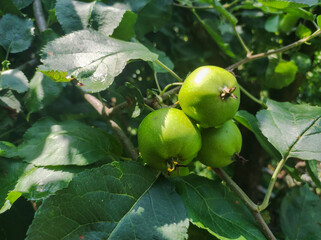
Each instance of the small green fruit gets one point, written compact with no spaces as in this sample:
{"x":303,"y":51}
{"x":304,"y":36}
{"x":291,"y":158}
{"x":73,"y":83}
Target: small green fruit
{"x":210,"y":95}
{"x":288,"y":22}
{"x":168,"y":138}
{"x":220,"y":146}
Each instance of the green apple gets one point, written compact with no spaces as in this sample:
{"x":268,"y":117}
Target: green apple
{"x":220,"y":146}
{"x":210,"y":95}
{"x":168,"y":138}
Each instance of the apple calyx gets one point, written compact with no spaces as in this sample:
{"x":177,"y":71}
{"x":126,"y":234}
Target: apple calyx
{"x":173,"y":165}
{"x":228,"y":92}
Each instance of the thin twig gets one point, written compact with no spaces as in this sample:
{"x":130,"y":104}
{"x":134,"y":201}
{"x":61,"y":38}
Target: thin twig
{"x":274,"y":177}
{"x":103,"y":111}
{"x":39,"y":15}
{"x":247,"y":201}
{"x":268,"y":53}
{"x":169,"y":70}
{"x":236,"y":189}
{"x":265,"y":228}
{"x":252,"y":97}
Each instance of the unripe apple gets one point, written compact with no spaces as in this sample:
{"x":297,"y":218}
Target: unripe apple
{"x":167,"y":137}
{"x":210,"y":95}
{"x":220,"y":146}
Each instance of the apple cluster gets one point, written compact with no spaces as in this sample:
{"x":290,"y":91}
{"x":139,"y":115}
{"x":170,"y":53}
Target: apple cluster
{"x":170,"y":138}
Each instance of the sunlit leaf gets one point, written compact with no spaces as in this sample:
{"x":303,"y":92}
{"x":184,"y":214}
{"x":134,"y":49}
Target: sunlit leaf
{"x":92,"y":58}
{"x":294,"y":130}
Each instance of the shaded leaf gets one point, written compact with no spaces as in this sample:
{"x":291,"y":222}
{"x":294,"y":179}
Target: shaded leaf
{"x":16,"y":33}
{"x":51,"y":143}
{"x":73,"y":15}
{"x":250,"y":122}
{"x":126,"y":28}
{"x":8,"y":150}
{"x":92,"y":58}
{"x":9,"y":7}
{"x":153,"y":16}
{"x":42,"y":92}
{"x":15,"y":80}
{"x":294,"y":130}
{"x":300,"y":214}
{"x":10,"y":171}
{"x":272,"y":24}
{"x":159,"y":214}
{"x":22,"y":3}
{"x":312,"y":167}
{"x":106,"y":202}
{"x":212,"y":206}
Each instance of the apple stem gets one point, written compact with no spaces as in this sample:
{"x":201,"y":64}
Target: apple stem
{"x":238,"y":157}
{"x":228,"y":92}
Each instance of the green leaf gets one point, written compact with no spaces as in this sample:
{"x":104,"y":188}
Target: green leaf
{"x":126,"y":28}
{"x":51,"y":143}
{"x":16,"y":33}
{"x":153,"y":16}
{"x":42,"y":92}
{"x":10,"y":171}
{"x":9,"y":7}
{"x":212,"y":206}
{"x":300,"y":214}
{"x":294,"y":173}
{"x":95,"y":15}
{"x":294,"y":130}
{"x":282,"y":4}
{"x":8,"y":150}
{"x":280,"y":74}
{"x":250,"y":122}
{"x":54,"y":74}
{"x":18,"y":178}
{"x":39,"y":183}
{"x":9,"y":100}
{"x":312,"y":167}
{"x":230,"y":17}
{"x":22,"y":3}
{"x":15,"y":80}
{"x":134,"y":99}
{"x":117,"y":201}
{"x":303,"y":31}
{"x":272,"y":24}
{"x":211,"y":27}
{"x":5,"y":120}
{"x":319,"y":21}
{"x":92,"y":58}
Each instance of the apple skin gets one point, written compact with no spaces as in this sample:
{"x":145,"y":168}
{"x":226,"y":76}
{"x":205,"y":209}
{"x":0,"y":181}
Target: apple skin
{"x":219,"y":145}
{"x":200,"y":96}
{"x":168,"y":135}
